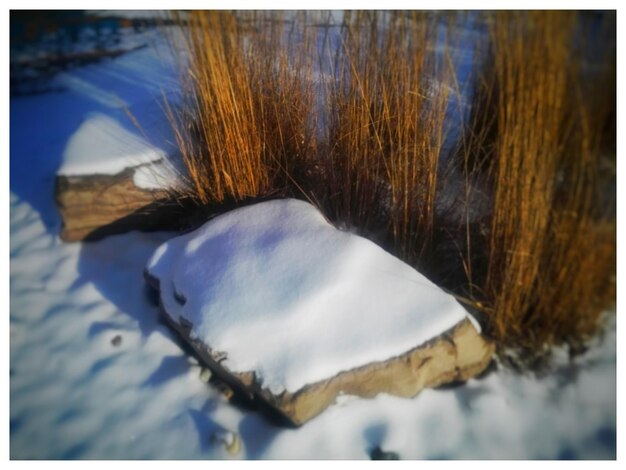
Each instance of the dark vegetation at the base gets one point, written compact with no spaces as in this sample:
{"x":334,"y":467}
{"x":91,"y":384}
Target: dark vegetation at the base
{"x":378,"y":454}
{"x":515,"y":215}
{"x":164,"y":214}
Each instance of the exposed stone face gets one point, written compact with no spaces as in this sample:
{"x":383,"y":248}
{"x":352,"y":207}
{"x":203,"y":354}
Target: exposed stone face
{"x":93,"y":206}
{"x":457,"y":355}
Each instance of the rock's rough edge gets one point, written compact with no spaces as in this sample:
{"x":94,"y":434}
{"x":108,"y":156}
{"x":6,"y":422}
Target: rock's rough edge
{"x":456,"y":355}
{"x":90,"y":203}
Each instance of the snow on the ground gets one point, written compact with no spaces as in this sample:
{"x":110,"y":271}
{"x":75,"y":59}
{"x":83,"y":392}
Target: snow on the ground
{"x":74,"y":394}
{"x":116,"y":112}
{"x":94,"y":374}
{"x":322,"y":300}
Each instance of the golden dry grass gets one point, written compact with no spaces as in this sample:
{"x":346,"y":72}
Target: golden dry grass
{"x":550,"y":259}
{"x":364,"y":138}
{"x":386,"y":126}
{"x":247,"y":106}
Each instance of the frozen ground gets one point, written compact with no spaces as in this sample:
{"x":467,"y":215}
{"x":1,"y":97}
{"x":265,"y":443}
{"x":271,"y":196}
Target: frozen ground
{"x":95,"y":374}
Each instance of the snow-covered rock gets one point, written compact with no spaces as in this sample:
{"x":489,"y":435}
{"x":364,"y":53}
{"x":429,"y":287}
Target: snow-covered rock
{"x":102,"y":146}
{"x":112,"y":180}
{"x":289,"y":309}
{"x":109,"y":140}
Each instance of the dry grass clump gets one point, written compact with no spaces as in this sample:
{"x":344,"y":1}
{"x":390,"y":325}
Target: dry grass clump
{"x":550,"y":258}
{"x":578,"y":268}
{"x":280,"y":55}
{"x":354,"y":125}
{"x":357,"y":124}
{"x":245,"y":118}
{"x":386,"y":124}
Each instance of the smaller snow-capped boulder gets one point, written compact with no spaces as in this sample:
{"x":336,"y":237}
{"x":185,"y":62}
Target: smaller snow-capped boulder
{"x":112,"y":180}
{"x":288,"y":309}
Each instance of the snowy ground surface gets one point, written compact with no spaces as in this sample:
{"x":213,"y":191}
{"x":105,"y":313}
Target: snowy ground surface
{"x":95,"y":374}
{"x":109,"y":115}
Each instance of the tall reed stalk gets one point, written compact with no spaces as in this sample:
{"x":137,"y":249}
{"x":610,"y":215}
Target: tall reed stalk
{"x":545,"y":283}
{"x":247,"y":105}
{"x":385,"y":138}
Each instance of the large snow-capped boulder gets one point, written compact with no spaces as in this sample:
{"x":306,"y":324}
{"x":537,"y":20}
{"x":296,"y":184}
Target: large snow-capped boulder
{"x":290,"y":310}
{"x":112,"y":180}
